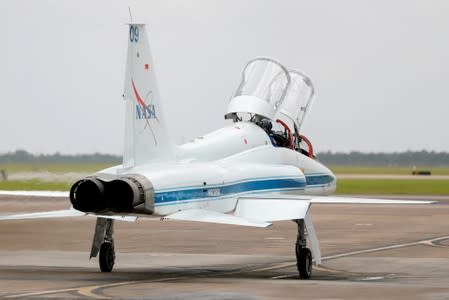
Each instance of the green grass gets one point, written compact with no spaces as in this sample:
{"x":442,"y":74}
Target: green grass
{"x":387,"y":170}
{"x":53,"y":167}
{"x":93,"y":167}
{"x":34,"y":185}
{"x":393,"y":187}
{"x":344,"y":186}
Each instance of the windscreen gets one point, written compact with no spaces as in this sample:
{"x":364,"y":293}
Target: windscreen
{"x":265,"y":79}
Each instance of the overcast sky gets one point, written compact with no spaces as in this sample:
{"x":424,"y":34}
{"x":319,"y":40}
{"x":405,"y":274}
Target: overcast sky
{"x":380,"y":68}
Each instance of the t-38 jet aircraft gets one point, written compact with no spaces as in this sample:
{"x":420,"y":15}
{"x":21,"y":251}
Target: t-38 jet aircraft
{"x":257,"y":170}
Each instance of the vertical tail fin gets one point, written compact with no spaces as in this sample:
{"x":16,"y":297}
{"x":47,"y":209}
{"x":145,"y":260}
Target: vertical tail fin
{"x":146,"y":138}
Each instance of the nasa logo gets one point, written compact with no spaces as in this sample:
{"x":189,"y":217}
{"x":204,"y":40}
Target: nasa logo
{"x":143,"y":110}
{"x":133,"y":34}
{"x":146,"y":112}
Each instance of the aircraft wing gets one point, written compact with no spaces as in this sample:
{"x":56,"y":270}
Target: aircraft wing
{"x":260,"y":209}
{"x":202,"y":215}
{"x":255,"y":211}
{"x":333,"y":199}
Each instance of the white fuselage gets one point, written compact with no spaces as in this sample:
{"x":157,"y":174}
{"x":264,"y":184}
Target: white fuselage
{"x":212,"y":171}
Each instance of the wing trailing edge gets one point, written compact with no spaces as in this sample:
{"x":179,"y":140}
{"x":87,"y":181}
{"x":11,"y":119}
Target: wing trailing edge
{"x":208,"y":216}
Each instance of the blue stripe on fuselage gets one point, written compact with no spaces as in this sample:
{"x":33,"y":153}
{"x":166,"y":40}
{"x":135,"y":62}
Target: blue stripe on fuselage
{"x":217,"y":191}
{"x":319,"y":179}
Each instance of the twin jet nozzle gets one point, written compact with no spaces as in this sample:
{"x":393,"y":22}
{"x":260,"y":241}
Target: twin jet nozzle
{"x":113,"y":194}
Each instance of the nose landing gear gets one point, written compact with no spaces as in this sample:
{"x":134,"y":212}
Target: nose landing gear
{"x":303,"y":254}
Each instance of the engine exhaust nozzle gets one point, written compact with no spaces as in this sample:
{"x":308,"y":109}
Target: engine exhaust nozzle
{"x":87,"y":195}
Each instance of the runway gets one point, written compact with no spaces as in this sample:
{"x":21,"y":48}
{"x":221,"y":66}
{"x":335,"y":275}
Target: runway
{"x":369,"y":252}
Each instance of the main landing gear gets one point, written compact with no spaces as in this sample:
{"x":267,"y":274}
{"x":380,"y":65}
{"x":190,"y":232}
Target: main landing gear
{"x":303,"y":254}
{"x":104,"y":243}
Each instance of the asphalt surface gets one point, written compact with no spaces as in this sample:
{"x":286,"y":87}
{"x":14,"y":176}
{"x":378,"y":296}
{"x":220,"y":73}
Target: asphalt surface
{"x":369,"y":252}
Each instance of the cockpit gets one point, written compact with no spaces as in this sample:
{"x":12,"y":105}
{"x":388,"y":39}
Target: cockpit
{"x":275,"y":98}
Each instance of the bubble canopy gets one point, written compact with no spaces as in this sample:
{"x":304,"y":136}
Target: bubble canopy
{"x":262,"y":89}
{"x":298,"y":99}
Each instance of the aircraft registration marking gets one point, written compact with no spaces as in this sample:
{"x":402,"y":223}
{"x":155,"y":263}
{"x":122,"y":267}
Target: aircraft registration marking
{"x":213,"y":192}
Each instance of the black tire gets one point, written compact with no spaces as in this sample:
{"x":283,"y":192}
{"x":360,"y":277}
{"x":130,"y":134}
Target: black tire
{"x":304,"y":262}
{"x":107,"y":257}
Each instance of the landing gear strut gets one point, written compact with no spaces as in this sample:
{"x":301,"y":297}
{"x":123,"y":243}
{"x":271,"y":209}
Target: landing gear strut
{"x":104,"y":243}
{"x":303,"y":254}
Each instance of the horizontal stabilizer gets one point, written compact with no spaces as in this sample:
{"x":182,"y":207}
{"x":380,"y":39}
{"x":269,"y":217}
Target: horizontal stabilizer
{"x":202,"y":215}
{"x":63,"y":214}
{"x":44,"y":215}
{"x":36,"y":193}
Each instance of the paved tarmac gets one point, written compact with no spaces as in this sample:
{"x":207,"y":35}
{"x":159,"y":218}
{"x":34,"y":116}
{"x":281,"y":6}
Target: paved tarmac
{"x":369,"y":252}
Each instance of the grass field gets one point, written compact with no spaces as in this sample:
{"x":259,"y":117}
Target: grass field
{"x":93,"y":167}
{"x":34,"y":185}
{"x":344,"y":186}
{"x":387,"y":170}
{"x":54,"y":167}
{"x":392,"y":187}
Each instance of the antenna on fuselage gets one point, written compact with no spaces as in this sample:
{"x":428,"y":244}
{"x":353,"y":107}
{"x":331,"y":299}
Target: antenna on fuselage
{"x":130,"y":15}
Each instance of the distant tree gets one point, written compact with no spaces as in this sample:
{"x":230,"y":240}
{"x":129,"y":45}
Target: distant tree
{"x":22,"y":156}
{"x":354,"y":158}
{"x":400,"y":159}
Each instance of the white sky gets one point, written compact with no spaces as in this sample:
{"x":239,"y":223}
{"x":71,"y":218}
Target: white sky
{"x":380,"y":68}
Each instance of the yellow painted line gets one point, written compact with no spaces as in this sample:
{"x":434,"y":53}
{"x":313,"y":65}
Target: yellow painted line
{"x":88,"y":290}
{"x":75,"y":289}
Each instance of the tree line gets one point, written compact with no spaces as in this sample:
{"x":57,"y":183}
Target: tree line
{"x":22,"y":156}
{"x":404,"y":159}
{"x":395,"y":159}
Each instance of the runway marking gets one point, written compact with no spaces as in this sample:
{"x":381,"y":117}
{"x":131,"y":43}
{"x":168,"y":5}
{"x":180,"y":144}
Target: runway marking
{"x":427,"y":242}
{"x":372,"y":278}
{"x":396,"y":246}
{"x":278,"y":266}
{"x":89,"y":290}
{"x":284,"y":276}
{"x":76,"y":289}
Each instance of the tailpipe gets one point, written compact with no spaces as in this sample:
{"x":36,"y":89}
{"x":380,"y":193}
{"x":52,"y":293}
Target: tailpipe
{"x":88,"y":195}
{"x":131,"y":193}
{"x":109,"y":193}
